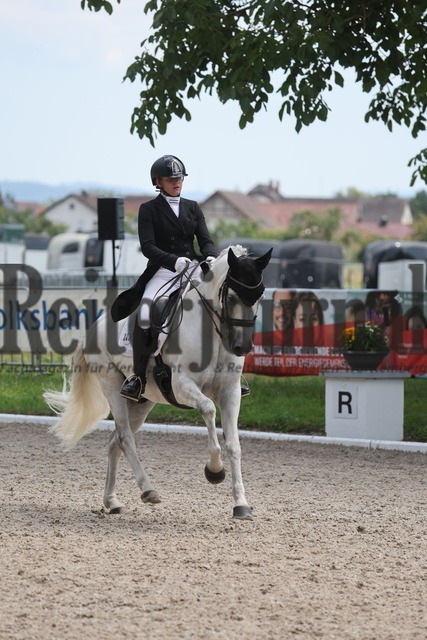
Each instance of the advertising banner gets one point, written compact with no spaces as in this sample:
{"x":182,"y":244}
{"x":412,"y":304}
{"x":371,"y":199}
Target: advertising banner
{"x":299,"y":332}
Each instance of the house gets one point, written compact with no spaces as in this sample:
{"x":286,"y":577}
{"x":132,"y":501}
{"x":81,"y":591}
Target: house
{"x":384,"y":216}
{"x":132,"y":203}
{"x":281,"y":213}
{"x":387,"y":217}
{"x":232,"y":206}
{"x":266,"y":192}
{"x":79,"y":212}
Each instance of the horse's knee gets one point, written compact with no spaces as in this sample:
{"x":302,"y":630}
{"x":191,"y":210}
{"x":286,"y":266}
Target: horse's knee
{"x":207,"y":409}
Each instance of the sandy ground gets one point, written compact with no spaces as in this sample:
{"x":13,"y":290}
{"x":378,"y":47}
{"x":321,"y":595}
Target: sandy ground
{"x":338,"y":547}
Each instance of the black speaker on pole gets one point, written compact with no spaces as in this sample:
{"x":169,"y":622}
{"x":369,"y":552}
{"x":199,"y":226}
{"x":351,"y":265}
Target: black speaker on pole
{"x":111,"y":218}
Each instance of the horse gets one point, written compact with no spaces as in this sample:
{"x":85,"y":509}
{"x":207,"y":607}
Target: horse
{"x":215,"y":322}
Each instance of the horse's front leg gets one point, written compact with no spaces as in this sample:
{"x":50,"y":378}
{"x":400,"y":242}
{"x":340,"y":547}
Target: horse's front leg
{"x":190,"y":394}
{"x":214,"y":469}
{"x":229,"y":403}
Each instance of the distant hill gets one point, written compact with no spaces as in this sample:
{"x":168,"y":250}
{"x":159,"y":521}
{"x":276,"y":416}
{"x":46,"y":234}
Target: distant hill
{"x":27,"y":191}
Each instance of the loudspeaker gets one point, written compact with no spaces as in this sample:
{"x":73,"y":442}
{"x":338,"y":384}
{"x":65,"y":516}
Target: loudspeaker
{"x":111,"y":218}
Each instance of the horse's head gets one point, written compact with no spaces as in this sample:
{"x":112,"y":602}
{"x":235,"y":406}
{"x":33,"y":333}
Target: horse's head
{"x":240,"y":294}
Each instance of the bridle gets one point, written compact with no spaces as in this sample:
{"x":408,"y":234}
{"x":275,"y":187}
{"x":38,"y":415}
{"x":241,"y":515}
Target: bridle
{"x":224,"y":318}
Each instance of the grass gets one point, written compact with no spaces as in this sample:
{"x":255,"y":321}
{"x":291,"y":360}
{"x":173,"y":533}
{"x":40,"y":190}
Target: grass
{"x":286,"y":405}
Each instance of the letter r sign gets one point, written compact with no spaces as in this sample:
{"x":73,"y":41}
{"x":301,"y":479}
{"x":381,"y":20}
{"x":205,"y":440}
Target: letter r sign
{"x":345,"y":402}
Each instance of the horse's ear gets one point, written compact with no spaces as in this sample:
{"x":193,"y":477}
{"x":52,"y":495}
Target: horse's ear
{"x":263,"y":261}
{"x":232,"y":259}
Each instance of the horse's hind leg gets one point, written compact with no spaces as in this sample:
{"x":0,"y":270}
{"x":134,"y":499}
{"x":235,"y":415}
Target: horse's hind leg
{"x":110,"y":499}
{"x":136,"y":416}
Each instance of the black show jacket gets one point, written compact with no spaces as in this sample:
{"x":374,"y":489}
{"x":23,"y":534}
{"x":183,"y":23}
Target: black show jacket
{"x":164,"y":238}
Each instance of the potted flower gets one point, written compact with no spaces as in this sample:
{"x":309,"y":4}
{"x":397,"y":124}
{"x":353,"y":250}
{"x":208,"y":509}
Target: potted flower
{"x":365,"y":345}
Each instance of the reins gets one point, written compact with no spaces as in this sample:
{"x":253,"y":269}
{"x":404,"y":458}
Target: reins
{"x":173,"y":306}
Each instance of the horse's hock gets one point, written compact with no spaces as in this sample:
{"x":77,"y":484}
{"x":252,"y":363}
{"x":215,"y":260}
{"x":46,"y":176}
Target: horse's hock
{"x":367,"y":405}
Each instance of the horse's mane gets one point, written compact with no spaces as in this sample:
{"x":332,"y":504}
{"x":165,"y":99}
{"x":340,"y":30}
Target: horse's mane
{"x":238,"y":250}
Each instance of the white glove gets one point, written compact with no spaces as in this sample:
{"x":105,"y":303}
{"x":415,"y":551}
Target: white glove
{"x":181,"y":263}
{"x":209,"y":260}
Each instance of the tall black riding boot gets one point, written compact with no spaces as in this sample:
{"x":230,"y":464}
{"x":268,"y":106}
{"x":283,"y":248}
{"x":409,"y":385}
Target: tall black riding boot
{"x":143,"y":345}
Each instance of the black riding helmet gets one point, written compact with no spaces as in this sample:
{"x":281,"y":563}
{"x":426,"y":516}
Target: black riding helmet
{"x":167,"y":167}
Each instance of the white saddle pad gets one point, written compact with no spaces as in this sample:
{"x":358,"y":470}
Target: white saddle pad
{"x":125,"y":340}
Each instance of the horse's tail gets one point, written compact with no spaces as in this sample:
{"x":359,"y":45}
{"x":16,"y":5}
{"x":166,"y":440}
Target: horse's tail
{"x":80,"y":405}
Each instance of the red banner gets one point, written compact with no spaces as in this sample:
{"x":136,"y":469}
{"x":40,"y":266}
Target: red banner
{"x":299,"y":332}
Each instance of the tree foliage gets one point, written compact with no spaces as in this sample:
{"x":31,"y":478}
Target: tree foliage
{"x":32,"y":223}
{"x":243,"y":228}
{"x":419,"y":205}
{"x":314,"y":226}
{"x":419,"y":230}
{"x":246,"y":50}
{"x":352,"y":192}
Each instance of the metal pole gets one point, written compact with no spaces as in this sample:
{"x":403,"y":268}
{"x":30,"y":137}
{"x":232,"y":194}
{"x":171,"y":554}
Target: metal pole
{"x":114,"y":278}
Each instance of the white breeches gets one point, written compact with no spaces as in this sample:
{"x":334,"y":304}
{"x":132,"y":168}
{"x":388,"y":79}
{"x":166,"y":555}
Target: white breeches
{"x":159,"y":285}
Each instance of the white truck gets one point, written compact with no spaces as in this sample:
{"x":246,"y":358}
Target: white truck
{"x":80,"y":251}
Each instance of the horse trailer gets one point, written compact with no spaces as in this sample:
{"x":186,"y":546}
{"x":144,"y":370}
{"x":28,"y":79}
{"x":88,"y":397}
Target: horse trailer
{"x":297,"y":263}
{"x":383,"y":251}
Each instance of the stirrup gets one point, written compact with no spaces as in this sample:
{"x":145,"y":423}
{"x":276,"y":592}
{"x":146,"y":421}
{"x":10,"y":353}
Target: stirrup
{"x":244,"y":390}
{"x":244,"y":387}
{"x":132,"y":388}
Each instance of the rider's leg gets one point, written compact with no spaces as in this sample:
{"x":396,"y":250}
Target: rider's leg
{"x":144,"y":341}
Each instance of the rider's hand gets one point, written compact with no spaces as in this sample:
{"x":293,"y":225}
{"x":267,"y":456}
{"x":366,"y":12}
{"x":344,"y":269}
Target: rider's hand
{"x":181,"y":263}
{"x":209,"y":260}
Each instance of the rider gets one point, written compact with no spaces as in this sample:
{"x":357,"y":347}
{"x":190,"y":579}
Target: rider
{"x":167,"y":228}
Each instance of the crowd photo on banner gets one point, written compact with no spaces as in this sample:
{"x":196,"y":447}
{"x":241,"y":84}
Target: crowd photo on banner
{"x":300,"y":332}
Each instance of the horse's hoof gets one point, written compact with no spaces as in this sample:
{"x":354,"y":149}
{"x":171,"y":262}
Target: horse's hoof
{"x":116,"y":510}
{"x":243,"y":513}
{"x":150,"y":497}
{"x":214,"y":477}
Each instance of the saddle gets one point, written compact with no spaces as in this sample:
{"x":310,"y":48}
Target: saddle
{"x":163,"y":377}
{"x":161,"y":311}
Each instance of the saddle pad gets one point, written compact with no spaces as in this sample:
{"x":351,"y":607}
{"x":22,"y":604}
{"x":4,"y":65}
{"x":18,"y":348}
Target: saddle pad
{"x":125,"y":339}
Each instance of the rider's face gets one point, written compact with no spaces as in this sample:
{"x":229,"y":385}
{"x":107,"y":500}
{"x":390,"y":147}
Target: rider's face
{"x":170,"y":186}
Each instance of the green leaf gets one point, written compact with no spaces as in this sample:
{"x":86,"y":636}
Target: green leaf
{"x":339,"y":80}
{"x":242,"y":121}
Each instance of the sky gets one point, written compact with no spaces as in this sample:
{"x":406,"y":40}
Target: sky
{"x":65,"y":117}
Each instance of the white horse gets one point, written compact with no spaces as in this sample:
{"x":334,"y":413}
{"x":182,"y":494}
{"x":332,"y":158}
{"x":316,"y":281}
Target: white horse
{"x":209,"y":341}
